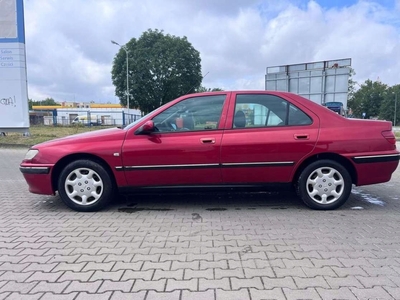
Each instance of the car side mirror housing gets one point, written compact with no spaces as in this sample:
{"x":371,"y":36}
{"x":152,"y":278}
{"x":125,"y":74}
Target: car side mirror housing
{"x":146,"y":128}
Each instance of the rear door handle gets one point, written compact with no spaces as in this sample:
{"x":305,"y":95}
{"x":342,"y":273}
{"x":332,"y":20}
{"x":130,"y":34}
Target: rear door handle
{"x":207,"y":141}
{"x":301,"y":136}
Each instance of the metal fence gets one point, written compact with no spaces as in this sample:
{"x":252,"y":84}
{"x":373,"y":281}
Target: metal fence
{"x":84,"y":118}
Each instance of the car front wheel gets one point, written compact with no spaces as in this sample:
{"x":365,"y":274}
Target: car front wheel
{"x":85,"y":185}
{"x":324,"y":185}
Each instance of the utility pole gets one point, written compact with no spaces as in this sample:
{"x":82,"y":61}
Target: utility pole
{"x":395,"y":109}
{"x":127,"y":74}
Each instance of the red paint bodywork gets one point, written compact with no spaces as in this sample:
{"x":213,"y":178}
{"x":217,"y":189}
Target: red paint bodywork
{"x":329,"y":135}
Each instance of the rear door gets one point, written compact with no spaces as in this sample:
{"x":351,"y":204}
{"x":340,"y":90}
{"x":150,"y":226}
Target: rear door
{"x":267,"y":137}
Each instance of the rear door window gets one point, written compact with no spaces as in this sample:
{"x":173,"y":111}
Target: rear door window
{"x":267,"y":111}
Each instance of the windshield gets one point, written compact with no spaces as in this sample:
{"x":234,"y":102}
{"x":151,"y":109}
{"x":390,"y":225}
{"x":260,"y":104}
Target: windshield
{"x":140,"y":119}
{"x":134,"y":123}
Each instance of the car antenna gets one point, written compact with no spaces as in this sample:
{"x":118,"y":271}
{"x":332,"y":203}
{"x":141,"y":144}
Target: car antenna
{"x":194,"y":85}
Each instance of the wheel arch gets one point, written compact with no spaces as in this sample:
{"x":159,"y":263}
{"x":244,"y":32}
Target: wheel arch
{"x":331,"y":156}
{"x":62,"y":163}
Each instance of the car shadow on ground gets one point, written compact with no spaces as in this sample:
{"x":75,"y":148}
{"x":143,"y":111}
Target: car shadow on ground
{"x":216,"y":201}
{"x":205,"y":201}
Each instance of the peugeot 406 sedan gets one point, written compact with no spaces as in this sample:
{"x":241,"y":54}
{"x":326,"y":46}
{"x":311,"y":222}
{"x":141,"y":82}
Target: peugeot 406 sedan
{"x":238,"y":139}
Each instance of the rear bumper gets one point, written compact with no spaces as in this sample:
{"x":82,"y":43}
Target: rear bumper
{"x":372,"y":169}
{"x":376,"y":158}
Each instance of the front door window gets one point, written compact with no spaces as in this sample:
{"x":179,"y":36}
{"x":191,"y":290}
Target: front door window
{"x":193,"y":114}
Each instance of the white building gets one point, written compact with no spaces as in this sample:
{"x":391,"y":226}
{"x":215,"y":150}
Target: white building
{"x":99,"y":114}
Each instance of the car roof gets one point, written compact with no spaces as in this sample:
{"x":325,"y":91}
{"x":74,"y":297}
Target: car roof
{"x":295,"y":98}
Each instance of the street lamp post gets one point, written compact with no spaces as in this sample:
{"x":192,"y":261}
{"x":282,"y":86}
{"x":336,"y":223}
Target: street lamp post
{"x":395,"y":109}
{"x":127,"y":73}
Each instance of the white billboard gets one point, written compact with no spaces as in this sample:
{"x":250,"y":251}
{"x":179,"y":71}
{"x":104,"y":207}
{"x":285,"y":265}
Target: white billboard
{"x":321,"y":82}
{"x":14,"y":114}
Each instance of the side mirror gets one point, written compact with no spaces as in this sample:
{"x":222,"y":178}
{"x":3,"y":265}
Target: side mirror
{"x":146,"y":128}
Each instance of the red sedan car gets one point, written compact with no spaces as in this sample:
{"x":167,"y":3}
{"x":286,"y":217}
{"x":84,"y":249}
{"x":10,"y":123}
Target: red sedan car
{"x":215,"y":140}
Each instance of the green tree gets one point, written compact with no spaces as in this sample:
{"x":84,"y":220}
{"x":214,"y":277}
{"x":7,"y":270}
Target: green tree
{"x":203,"y":89}
{"x":390,"y":105}
{"x":352,"y":85}
{"x":47,"y":101}
{"x":368,"y":99}
{"x":161,"y":68}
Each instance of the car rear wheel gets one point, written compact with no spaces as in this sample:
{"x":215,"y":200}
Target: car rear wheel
{"x":85,"y":185}
{"x":324,"y":185}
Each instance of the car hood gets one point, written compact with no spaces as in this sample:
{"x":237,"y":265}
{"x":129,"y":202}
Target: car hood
{"x":103,"y":134}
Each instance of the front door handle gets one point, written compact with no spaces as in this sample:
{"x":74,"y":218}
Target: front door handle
{"x":301,"y":136}
{"x":207,"y":141}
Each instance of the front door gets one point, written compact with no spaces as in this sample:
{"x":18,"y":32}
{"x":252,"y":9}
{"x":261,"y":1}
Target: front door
{"x":185,"y":149}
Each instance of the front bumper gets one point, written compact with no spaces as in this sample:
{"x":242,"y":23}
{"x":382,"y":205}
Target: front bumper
{"x":38,"y":178}
{"x":34,"y":170}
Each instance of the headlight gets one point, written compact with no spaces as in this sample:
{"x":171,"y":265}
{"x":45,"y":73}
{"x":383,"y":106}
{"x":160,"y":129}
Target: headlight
{"x":31,"y":154}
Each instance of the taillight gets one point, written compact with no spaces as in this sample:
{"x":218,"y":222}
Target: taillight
{"x":389,"y":136}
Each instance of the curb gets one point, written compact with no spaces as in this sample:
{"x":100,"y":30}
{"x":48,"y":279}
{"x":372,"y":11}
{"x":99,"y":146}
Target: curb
{"x":14,"y":146}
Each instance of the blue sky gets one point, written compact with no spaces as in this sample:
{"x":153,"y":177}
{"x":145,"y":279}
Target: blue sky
{"x":69,"y":53}
{"x":346,"y":3}
{"x":337,"y":3}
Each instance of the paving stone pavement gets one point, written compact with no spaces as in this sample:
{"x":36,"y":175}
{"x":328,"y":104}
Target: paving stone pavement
{"x":198,"y":246}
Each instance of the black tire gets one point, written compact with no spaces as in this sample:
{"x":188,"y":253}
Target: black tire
{"x":91,"y":192}
{"x":324,"y":185}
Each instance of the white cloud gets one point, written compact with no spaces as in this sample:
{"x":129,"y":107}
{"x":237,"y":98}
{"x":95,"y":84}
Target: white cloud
{"x":69,"y":53}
